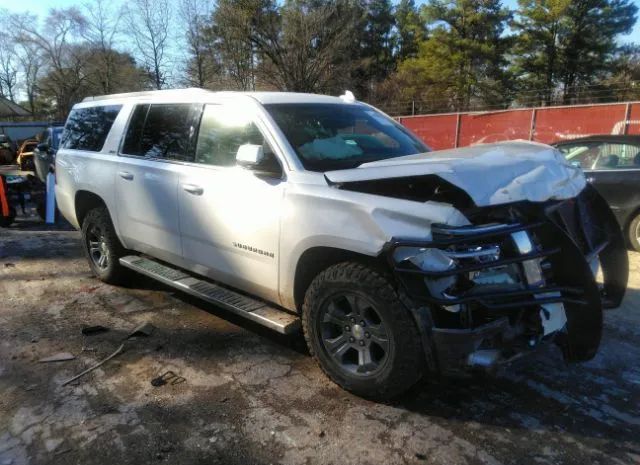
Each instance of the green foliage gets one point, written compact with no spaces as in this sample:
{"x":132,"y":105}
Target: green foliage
{"x":463,"y":60}
{"x":563,"y":44}
{"x":411,"y":30}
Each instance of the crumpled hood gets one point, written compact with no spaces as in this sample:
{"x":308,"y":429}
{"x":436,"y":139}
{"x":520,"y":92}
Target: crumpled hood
{"x":490,"y":173}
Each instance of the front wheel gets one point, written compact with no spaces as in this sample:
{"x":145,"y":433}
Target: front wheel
{"x":102,"y":246}
{"x":634,"y":233}
{"x":360,"y":333}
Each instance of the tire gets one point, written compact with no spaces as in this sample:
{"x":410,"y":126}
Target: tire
{"x":633,"y":233}
{"x":102,"y":246}
{"x":349,"y":310}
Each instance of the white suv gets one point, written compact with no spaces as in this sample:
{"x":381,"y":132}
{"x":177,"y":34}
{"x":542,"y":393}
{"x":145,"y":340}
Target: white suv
{"x":298,"y":210}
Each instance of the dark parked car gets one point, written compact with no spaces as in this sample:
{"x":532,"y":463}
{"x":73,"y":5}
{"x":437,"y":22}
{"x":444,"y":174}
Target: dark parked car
{"x":612,"y":164}
{"x":45,"y":152}
{"x":7,"y":150}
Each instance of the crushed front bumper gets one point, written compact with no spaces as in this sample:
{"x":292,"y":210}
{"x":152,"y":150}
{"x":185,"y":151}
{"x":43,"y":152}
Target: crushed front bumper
{"x":546,"y":256}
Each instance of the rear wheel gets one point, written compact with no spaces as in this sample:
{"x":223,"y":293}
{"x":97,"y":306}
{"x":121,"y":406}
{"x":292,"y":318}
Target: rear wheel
{"x":360,"y":333}
{"x":102,"y":246}
{"x":634,"y":233}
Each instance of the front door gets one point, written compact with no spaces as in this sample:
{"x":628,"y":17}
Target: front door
{"x":230,"y":216}
{"x":147,"y":177}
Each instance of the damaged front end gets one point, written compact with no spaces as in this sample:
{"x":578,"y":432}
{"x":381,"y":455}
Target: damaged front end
{"x":521,"y":275}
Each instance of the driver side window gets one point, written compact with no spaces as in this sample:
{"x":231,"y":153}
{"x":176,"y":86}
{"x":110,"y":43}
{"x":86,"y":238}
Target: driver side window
{"x":222,"y":130}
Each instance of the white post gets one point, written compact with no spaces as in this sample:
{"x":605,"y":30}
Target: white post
{"x":50,"y":216}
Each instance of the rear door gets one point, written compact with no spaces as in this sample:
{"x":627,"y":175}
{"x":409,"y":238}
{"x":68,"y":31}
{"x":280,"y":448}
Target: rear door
{"x":230,"y":216}
{"x":158,"y":138}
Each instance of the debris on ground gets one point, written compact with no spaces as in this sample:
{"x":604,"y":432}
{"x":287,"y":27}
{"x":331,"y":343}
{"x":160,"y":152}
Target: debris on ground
{"x":145,"y":329}
{"x":168,"y":377}
{"x":59,"y":357}
{"x":88,"y":370}
{"x":92,"y":330}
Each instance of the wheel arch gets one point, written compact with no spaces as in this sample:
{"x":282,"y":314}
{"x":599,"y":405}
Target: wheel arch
{"x":317,"y":259}
{"x":86,"y":201}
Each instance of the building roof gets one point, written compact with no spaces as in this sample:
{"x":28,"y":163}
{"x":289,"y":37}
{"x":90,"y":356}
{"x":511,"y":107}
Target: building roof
{"x":8,"y":108}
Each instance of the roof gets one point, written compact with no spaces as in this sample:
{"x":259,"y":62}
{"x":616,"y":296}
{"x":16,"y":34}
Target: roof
{"x":621,"y":138}
{"x":291,"y":97}
{"x":262,"y":97}
{"x":8,"y":108}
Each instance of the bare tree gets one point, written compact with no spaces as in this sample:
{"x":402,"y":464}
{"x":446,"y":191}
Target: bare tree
{"x":102,"y":29}
{"x":200,"y":67}
{"x":148,"y":23}
{"x":31,"y":63}
{"x":58,"y":44}
{"x":8,"y":67}
{"x":303,"y":45}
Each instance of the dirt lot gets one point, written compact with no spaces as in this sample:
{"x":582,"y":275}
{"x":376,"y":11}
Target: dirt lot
{"x":251,"y":396}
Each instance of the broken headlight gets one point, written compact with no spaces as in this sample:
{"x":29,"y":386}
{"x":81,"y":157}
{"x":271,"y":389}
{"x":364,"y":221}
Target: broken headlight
{"x":476,"y":275}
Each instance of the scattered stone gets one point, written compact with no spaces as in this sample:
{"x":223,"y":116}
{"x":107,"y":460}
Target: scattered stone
{"x":322,"y":434}
{"x":145,"y":329}
{"x":59,"y":357}
{"x":9,"y":265}
{"x":420,"y":456}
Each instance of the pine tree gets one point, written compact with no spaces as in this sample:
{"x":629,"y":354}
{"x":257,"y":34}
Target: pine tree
{"x":537,"y":53}
{"x":590,"y":43}
{"x":374,"y":53}
{"x":463,"y":61}
{"x":564,"y":44}
{"x":410,"y":29}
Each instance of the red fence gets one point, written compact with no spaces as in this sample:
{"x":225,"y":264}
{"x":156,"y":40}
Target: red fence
{"x":544,"y":124}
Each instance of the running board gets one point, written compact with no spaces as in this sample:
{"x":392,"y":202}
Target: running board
{"x":251,"y":309}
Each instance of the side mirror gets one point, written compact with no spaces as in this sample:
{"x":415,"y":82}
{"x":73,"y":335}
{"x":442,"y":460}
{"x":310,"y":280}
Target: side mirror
{"x":249,"y":155}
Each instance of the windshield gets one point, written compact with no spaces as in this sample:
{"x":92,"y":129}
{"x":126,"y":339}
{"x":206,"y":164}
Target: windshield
{"x":328,"y":136}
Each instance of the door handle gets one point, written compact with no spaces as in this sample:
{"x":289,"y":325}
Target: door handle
{"x":590,"y":179}
{"x":193,"y":189}
{"x":125,"y":175}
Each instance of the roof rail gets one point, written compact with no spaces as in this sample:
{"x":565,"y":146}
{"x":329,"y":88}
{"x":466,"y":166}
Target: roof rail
{"x":146,"y":93}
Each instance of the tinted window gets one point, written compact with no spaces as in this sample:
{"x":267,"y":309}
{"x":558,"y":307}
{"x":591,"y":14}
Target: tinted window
{"x":222,"y":131}
{"x":583,"y":154}
{"x":602,"y":155}
{"x":162,"y":131}
{"x":87,"y":128}
{"x":616,"y":155}
{"x":132,"y":139}
{"x":333,"y":136}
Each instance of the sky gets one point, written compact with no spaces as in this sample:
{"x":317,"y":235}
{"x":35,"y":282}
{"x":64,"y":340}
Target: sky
{"x":41,"y":7}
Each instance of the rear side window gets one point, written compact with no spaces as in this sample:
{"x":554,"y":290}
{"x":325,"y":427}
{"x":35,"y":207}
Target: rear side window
{"x":87,"y":128}
{"x":162,"y":131}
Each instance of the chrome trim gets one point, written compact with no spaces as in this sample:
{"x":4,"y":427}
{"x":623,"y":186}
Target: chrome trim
{"x":483,"y":252}
{"x":469,"y":230}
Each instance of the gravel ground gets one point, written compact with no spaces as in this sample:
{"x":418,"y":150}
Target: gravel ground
{"x":251,"y":396}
